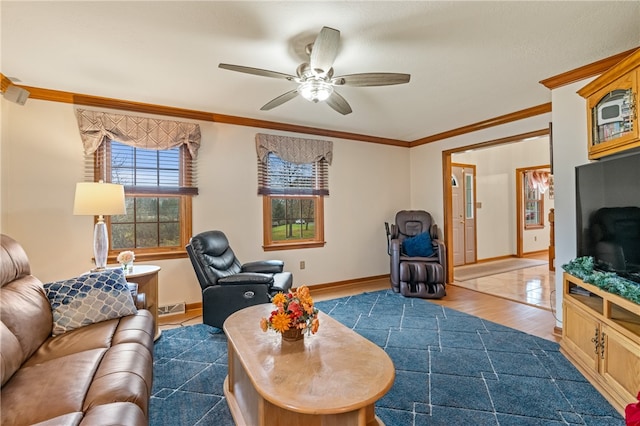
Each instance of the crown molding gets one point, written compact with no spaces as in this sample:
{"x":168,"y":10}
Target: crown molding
{"x":125,"y":105}
{"x":586,"y":71}
{"x":568,"y":77}
{"x":497,"y":121}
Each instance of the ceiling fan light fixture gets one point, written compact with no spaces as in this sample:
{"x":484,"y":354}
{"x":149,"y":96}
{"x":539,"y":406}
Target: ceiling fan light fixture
{"x":315,"y":90}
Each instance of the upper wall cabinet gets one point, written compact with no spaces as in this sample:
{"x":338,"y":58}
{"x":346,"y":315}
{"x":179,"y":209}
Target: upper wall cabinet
{"x":612,"y":108}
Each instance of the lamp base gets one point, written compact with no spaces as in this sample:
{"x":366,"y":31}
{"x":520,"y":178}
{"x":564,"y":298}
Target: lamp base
{"x":100,"y":244}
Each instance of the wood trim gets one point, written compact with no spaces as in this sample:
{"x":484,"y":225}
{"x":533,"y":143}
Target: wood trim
{"x":535,"y":253}
{"x":124,"y":105}
{"x":586,"y":71}
{"x":4,"y":82}
{"x":496,"y":258}
{"x":614,"y":73}
{"x":346,"y":283}
{"x":497,"y":121}
{"x":96,"y":101}
{"x":448,"y":213}
{"x":519,"y":212}
{"x":269,"y":245}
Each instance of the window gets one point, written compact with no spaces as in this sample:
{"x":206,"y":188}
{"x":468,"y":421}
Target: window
{"x":533,"y":201}
{"x":155,"y":160}
{"x":469,"y":202}
{"x":293,"y":221}
{"x":293,"y":207}
{"x":158,"y":189}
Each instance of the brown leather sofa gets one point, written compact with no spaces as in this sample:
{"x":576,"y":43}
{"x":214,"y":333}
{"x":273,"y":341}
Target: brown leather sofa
{"x":99,"y":374}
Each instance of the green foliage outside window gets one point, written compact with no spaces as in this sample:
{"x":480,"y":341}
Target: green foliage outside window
{"x":148,"y":222}
{"x":292,"y":218}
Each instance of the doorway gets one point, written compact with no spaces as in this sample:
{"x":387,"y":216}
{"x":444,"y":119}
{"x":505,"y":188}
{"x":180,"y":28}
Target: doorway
{"x":463,"y":211}
{"x":447,"y":171}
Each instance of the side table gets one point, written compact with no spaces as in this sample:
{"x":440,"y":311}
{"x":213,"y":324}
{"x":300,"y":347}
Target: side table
{"x":146,"y":276}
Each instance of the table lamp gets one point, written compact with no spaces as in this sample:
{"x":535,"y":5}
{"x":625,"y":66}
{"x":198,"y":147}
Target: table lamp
{"x":99,"y":199}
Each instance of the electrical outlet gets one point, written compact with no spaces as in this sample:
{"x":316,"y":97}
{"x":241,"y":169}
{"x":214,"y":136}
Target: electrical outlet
{"x":302,"y":264}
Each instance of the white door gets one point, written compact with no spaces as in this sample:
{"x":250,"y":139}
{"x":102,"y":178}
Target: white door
{"x":457,"y":219}
{"x":463,"y":214}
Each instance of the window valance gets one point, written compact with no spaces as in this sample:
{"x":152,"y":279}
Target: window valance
{"x":539,"y":179}
{"x":293,"y":150}
{"x":140,"y":132}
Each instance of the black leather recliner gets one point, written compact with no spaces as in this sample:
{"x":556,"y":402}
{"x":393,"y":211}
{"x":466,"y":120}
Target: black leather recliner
{"x":416,"y":275}
{"x":227,"y":285}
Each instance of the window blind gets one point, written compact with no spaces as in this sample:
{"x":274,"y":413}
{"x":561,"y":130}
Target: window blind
{"x":279,"y":177}
{"x":146,"y":171}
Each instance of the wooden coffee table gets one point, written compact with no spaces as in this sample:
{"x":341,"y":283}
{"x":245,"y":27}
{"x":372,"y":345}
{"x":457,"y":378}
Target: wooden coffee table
{"x":331,"y":378}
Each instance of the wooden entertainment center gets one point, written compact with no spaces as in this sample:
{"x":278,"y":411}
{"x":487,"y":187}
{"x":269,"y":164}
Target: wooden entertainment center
{"x":612,"y":109}
{"x":601,"y":336}
{"x":600,"y":330}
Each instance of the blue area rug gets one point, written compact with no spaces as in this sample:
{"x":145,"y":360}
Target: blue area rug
{"x":451,"y":369}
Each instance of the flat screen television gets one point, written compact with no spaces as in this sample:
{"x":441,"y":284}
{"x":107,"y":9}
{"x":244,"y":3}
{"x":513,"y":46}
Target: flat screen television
{"x":608,"y":214}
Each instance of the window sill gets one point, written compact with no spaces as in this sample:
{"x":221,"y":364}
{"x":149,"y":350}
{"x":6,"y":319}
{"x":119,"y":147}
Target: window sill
{"x":145,"y":257}
{"x":294,"y":245}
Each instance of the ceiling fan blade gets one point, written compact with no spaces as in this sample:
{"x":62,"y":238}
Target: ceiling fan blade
{"x":280,"y":100}
{"x":340,"y":104}
{"x":371,"y":79}
{"x":257,"y":71}
{"x":324,"y":50}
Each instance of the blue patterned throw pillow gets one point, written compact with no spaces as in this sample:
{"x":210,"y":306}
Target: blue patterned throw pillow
{"x":420,"y":245}
{"x":89,"y":298}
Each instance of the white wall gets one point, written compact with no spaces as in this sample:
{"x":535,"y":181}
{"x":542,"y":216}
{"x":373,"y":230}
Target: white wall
{"x":426,"y":161}
{"x":569,"y":150}
{"x":496,"y":191}
{"x":42,"y":160}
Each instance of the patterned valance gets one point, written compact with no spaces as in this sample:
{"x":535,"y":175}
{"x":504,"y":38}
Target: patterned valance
{"x":293,"y":150}
{"x":140,"y":132}
{"x":539,"y":179}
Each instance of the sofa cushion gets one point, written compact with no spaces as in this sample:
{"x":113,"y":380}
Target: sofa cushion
{"x":51,"y":389}
{"x":93,"y":336}
{"x":88,"y":299}
{"x":420,"y":245}
{"x":125,"y":374}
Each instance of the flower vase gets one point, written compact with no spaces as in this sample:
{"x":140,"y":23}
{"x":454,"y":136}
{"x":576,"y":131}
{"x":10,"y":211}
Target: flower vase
{"x":127,"y":268}
{"x":292,"y":335}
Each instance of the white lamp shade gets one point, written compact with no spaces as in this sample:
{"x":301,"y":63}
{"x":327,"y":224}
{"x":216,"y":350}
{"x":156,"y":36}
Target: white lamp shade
{"x":97,"y":198}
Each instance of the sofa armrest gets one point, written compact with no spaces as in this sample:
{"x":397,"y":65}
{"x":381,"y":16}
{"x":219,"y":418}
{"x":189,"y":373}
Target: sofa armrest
{"x":247,"y":278}
{"x":141,"y":301}
{"x":264,"y":266}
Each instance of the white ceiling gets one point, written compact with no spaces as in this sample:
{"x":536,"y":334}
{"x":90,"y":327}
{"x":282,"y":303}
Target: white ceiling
{"x":469,"y":61}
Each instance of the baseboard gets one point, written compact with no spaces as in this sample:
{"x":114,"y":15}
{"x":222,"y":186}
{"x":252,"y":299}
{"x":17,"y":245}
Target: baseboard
{"x":512,"y":256}
{"x":317,"y":290}
{"x":557,"y":331}
{"x":536,"y":253}
{"x":347,"y":283}
{"x":493,"y":259}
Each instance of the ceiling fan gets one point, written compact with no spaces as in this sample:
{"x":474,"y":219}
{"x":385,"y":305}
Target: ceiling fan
{"x":315,"y":79}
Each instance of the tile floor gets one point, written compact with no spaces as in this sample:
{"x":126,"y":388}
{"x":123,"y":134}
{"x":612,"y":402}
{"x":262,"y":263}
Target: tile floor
{"x":534,"y":286}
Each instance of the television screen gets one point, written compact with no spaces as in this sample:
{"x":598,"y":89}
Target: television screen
{"x":608,"y":214}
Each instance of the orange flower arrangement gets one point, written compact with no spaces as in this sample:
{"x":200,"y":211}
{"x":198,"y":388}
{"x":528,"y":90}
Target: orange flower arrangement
{"x":293,"y":310}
